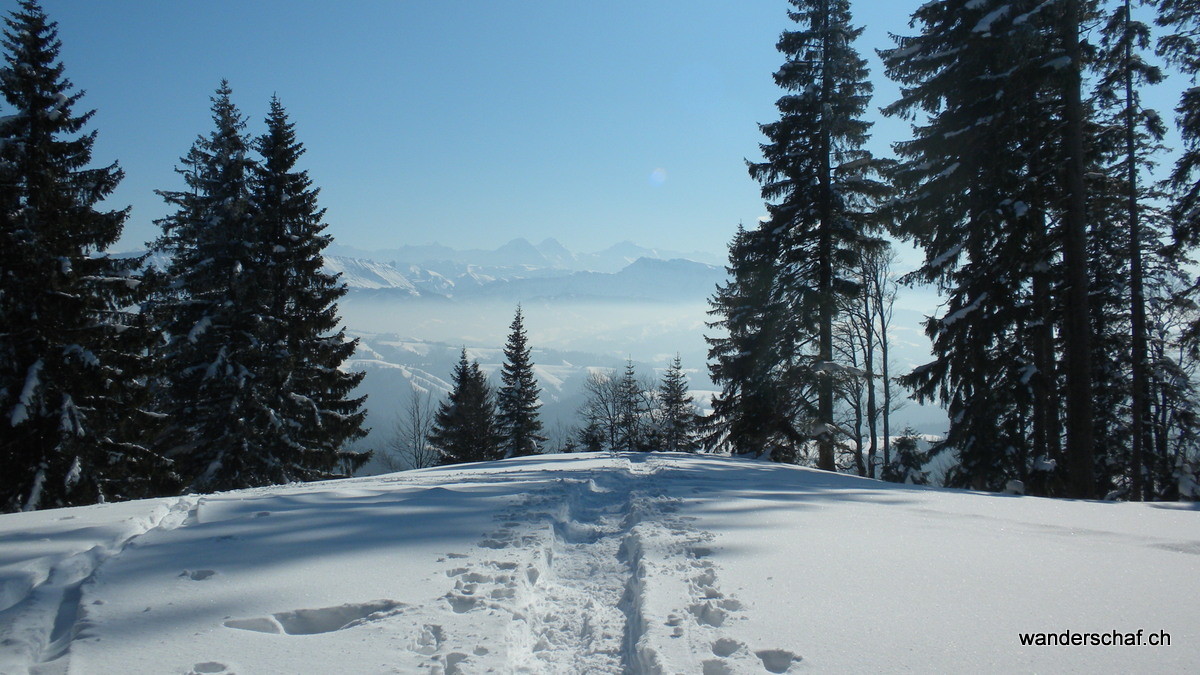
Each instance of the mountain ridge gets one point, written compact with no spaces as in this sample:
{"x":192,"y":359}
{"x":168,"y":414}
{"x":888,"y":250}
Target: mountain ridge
{"x":548,"y":253}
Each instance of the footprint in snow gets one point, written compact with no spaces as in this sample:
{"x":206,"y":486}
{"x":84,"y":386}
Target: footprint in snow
{"x":716,"y":667}
{"x":208,"y":668}
{"x":322,"y":620}
{"x":777,"y":660}
{"x":726,"y":647}
{"x":198,"y":575}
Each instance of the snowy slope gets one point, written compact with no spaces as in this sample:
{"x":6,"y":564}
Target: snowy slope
{"x":596,"y":563}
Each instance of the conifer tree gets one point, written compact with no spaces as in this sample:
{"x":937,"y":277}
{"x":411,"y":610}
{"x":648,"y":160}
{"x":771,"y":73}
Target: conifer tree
{"x":1129,"y":134}
{"x":908,"y":464}
{"x":632,"y":409}
{"x":755,"y":410}
{"x":311,"y":415}
{"x":982,"y":194}
{"x":677,"y":418}
{"x":73,"y":416}
{"x":1181,"y":46}
{"x":815,"y":176}
{"x":465,"y":428}
{"x":213,"y":303}
{"x":517,"y":401}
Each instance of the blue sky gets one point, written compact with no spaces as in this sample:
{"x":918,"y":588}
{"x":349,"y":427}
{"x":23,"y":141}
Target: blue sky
{"x":468,"y":123}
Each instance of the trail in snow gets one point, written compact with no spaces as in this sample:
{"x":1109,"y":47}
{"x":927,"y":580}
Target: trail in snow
{"x":583,"y":572}
{"x":658,"y":563}
{"x":42,"y":613}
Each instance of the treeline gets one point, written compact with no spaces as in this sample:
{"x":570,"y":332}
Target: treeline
{"x":476,"y":422}
{"x":1066,"y":350}
{"x":118,"y":380}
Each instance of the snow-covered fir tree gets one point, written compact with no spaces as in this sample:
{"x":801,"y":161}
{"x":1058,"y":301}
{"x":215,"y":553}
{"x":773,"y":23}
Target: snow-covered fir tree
{"x":465,"y":427}
{"x":312,"y":416}
{"x":1181,"y":46}
{"x":676,"y":427}
{"x":73,"y":418}
{"x":983,"y":193}
{"x":1128,"y":134}
{"x":816,"y":179}
{"x":213,"y":303}
{"x":517,"y":401}
{"x":754,"y":409}
{"x":907,"y":464}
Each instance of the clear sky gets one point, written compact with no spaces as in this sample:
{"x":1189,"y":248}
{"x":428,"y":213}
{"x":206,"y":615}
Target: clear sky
{"x":464,"y":122}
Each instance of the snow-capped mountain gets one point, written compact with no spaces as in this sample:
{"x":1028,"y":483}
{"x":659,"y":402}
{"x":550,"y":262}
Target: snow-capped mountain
{"x":521,"y":253}
{"x":644,"y":279}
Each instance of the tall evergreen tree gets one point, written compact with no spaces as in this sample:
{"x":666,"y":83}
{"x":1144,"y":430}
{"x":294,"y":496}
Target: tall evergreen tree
{"x":213,"y":304}
{"x":755,"y":410}
{"x":1181,"y":46}
{"x":815,"y":176}
{"x":677,"y":418}
{"x":311,"y":414}
{"x":1129,"y":134}
{"x":982,"y":194}
{"x":72,"y":353}
{"x":517,"y":401}
{"x":465,"y":428}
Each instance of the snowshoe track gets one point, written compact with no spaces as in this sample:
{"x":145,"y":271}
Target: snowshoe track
{"x":40,"y":627}
{"x":568,"y":568}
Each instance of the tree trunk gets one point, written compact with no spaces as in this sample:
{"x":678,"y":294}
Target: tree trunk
{"x":1137,"y":300}
{"x":825,"y":458}
{"x":1080,"y":437}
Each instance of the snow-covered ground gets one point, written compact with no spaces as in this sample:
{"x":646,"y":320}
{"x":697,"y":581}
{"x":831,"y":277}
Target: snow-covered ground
{"x":597,"y":563}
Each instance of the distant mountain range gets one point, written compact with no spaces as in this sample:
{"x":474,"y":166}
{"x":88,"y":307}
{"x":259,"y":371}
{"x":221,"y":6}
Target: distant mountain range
{"x":520,"y":252}
{"x":518,"y":272}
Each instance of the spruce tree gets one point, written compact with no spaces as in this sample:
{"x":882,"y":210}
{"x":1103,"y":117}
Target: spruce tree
{"x":755,"y":410}
{"x":1181,"y":46}
{"x":1124,"y":230}
{"x":517,"y":401}
{"x":312,"y":416}
{"x":983,"y":195}
{"x":465,"y":429}
{"x":908,"y":464}
{"x":677,"y":418}
{"x":213,"y":304}
{"x":632,"y":409}
{"x":816,"y":179}
{"x":73,"y":416}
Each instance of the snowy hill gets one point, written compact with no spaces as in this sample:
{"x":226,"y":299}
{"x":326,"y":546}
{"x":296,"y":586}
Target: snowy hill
{"x":601,"y":564}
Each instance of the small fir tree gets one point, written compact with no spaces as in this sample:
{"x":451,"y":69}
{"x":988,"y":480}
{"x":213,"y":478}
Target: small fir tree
{"x":465,"y":428}
{"x":632,"y":409}
{"x":677,"y":418}
{"x":517,"y":401}
{"x":908,"y":462}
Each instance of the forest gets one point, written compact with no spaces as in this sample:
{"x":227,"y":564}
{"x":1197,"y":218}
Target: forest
{"x":1065,"y":351}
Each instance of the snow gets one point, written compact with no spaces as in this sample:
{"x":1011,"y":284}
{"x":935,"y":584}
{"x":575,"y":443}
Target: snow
{"x":959,"y":314}
{"x":200,"y":328}
{"x":595,"y":563}
{"x":20,"y":411}
{"x":950,"y":253}
{"x":985,"y":24}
